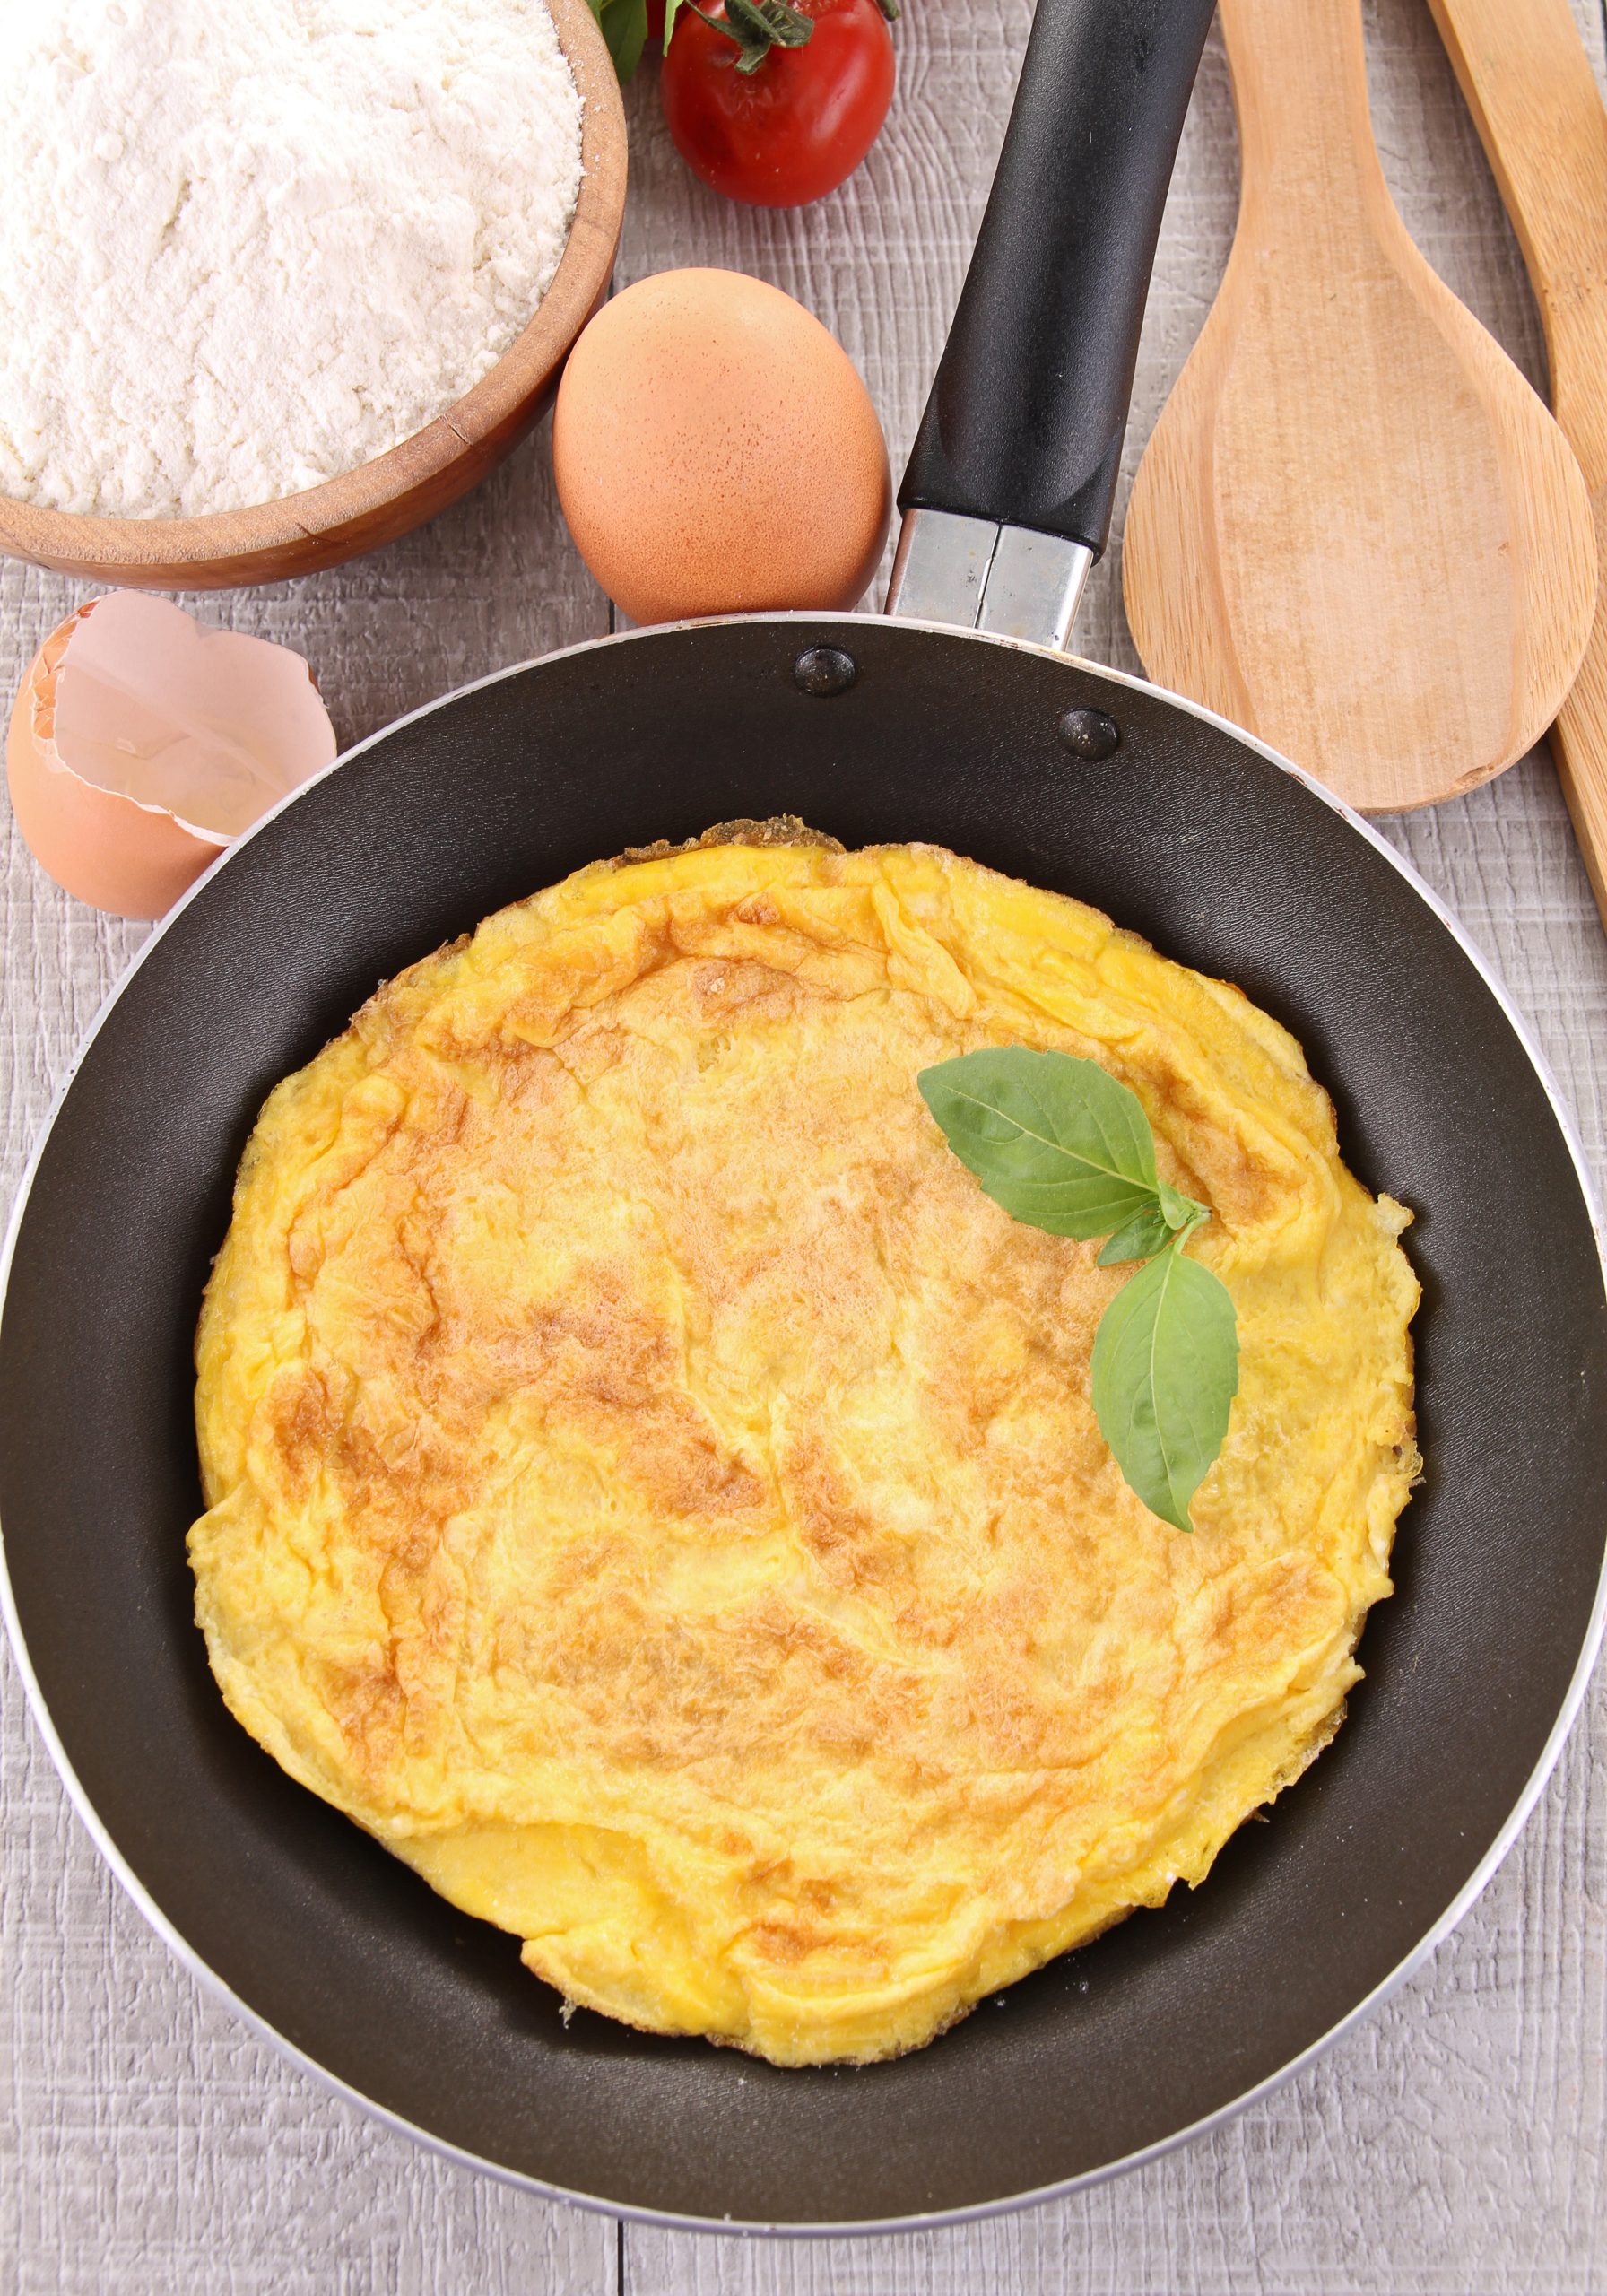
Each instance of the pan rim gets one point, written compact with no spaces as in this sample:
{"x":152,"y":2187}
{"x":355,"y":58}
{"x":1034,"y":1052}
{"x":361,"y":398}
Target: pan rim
{"x":934,"y":2219}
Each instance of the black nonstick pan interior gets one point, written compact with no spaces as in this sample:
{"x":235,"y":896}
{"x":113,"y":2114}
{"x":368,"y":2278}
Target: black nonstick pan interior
{"x":1186,"y":832}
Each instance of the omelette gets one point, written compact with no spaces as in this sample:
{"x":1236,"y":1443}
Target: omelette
{"x":654,"y":1490}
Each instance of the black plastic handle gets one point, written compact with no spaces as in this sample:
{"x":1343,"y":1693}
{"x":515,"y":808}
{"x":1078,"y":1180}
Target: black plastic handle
{"x":1025,"y":421}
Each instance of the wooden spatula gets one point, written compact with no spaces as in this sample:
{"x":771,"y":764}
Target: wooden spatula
{"x":1533,"y":98}
{"x":1356,"y":530}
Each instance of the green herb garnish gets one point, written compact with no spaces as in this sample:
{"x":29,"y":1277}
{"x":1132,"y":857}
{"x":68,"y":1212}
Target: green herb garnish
{"x":624,"y":26}
{"x":1059,"y":1144}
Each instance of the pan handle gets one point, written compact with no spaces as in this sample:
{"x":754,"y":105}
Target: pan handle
{"x":1023,"y":428}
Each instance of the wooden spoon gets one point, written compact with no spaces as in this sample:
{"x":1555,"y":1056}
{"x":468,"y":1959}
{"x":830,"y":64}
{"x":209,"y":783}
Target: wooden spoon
{"x":1356,"y":530}
{"x":1534,"y":100}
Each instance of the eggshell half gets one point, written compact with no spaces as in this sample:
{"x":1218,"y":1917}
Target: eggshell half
{"x":716,"y":452}
{"x":102,"y":848}
{"x":139,"y":743}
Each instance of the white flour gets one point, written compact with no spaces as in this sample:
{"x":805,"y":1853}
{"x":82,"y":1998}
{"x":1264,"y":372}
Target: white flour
{"x":246,"y":244}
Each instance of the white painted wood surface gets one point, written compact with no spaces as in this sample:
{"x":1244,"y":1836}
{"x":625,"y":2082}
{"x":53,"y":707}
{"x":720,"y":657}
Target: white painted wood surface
{"x":1454,"y":2145}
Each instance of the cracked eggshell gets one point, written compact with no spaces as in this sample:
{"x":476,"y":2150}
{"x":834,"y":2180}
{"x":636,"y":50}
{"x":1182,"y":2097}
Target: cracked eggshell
{"x":139,"y":744}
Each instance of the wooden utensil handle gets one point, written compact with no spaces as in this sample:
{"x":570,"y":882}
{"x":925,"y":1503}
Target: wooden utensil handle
{"x":1299,"y":88}
{"x":1579,"y":746}
{"x":1534,"y":97}
{"x":1534,"y":100}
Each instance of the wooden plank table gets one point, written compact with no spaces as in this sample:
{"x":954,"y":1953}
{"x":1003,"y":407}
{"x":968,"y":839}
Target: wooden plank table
{"x":148,"y":2142}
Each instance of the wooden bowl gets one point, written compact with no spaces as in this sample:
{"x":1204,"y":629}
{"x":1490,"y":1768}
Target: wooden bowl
{"x":398,"y":491}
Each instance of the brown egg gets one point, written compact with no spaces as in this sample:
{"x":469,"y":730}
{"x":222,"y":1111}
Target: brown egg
{"x":139,"y":744}
{"x":716,"y":452}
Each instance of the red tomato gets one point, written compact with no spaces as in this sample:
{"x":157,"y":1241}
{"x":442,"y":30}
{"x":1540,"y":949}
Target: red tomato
{"x":790,"y":131}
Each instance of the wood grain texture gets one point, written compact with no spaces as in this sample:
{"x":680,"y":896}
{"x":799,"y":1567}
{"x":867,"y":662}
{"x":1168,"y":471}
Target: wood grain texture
{"x":1356,"y":529}
{"x":1523,"y":70}
{"x":1450,"y":2147}
{"x":392,"y":494}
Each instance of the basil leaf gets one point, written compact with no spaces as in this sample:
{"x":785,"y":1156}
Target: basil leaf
{"x":1058,"y":1143}
{"x":624,"y":24}
{"x":1165,"y":1374}
{"x":1054,"y":1140}
{"x":1145,"y":1235}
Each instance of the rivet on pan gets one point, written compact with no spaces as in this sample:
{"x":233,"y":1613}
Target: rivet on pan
{"x":1090,"y":733}
{"x":824,"y":670}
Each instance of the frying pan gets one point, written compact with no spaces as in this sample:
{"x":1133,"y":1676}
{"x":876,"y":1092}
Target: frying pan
{"x":1091,"y":784}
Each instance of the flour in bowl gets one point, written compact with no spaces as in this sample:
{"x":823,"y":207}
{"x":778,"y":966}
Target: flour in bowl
{"x":244,"y":249}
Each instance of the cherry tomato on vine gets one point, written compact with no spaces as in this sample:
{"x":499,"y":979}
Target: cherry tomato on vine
{"x":773,"y":104}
